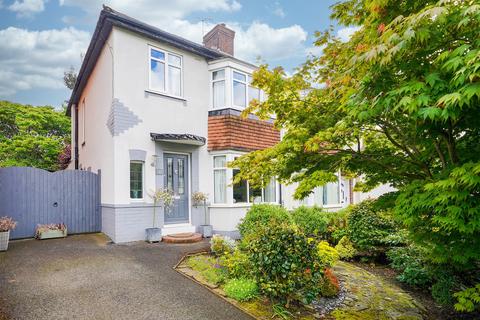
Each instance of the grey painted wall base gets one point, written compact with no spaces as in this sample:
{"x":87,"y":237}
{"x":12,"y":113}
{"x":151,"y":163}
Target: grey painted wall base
{"x":232,"y":234}
{"x":128,"y":222}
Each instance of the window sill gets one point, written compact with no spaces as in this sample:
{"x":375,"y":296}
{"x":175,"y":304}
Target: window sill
{"x":163,"y":94}
{"x":237,"y":205}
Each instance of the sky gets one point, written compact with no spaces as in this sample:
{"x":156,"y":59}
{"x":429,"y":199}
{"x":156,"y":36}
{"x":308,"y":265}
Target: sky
{"x":40,"y":39}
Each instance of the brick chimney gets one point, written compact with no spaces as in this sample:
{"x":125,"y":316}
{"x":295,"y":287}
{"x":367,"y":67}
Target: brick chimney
{"x":220,"y":38}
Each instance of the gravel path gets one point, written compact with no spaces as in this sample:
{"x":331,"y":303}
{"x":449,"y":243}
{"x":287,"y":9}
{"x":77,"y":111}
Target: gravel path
{"x":85,"y":277}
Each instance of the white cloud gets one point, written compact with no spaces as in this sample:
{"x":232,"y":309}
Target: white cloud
{"x":278,"y":10}
{"x":37,"y":59}
{"x":151,"y":11}
{"x":27,"y":8}
{"x":344,"y":34}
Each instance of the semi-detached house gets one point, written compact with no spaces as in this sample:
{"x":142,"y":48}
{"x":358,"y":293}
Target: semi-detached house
{"x":153,"y":110}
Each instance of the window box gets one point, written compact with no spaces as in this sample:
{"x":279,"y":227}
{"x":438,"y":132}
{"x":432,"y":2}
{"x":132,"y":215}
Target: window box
{"x":51,"y":231}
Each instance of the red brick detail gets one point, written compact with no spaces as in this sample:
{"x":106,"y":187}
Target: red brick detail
{"x":236,"y":133}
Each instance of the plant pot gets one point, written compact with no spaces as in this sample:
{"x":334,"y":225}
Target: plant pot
{"x":51,"y":234}
{"x":206,"y":230}
{"x":154,"y":234}
{"x":4,"y":237}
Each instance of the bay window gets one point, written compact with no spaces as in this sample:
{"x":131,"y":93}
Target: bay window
{"x":165,"y":72}
{"x":239,"y":89}
{"x":218,"y":87}
{"x":220,"y":179}
{"x":233,"y":88}
{"x":226,"y":192}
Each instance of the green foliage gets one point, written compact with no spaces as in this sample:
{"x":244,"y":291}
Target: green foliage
{"x":345,"y":249}
{"x":327,"y":254}
{"x":410,"y":262}
{"x":281,"y":312}
{"x":444,"y":215}
{"x":260,"y":215}
{"x":468,"y":300}
{"x":285,"y":262}
{"x":208,"y":267}
{"x":368,"y":228}
{"x":241,"y":289}
{"x":444,"y":288}
{"x":311,"y":220}
{"x":221,"y":245}
{"x":32,"y":136}
{"x":397,"y":103}
{"x":237,"y":264}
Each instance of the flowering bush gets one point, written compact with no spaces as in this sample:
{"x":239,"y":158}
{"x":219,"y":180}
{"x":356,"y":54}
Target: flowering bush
{"x":199,"y":198}
{"x":52,"y":226}
{"x":7,"y":223}
{"x":222,"y":244}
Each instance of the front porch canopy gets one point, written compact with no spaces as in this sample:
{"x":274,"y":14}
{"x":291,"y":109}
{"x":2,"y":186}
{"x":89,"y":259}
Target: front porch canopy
{"x":184,"y":138}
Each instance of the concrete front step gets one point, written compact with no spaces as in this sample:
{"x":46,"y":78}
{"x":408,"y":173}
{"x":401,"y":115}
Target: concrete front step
{"x":187,"y":237}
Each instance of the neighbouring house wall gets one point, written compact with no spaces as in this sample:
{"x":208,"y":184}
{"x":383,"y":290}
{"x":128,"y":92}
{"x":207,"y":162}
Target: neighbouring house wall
{"x":97,"y":152}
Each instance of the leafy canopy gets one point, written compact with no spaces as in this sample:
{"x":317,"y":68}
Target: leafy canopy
{"x":32,"y":136}
{"x":398,"y":103}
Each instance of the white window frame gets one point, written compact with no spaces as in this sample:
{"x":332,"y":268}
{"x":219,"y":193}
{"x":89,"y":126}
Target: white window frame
{"x":229,"y":201}
{"x":224,"y":87}
{"x":226,"y":177}
{"x":166,"y":77}
{"x":233,"y":89}
{"x":143,"y":181}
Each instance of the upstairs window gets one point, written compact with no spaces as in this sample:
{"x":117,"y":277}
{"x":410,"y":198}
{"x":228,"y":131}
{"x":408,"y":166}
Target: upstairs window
{"x":165,"y":72}
{"x":253,"y":92}
{"x":239,"y":89}
{"x":218,"y":85}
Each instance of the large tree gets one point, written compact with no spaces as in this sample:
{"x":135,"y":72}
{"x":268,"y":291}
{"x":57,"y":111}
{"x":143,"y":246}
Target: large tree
{"x":398,"y":103}
{"x":32,"y":136}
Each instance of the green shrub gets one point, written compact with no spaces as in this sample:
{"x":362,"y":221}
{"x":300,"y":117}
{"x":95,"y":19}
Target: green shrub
{"x":313,"y":221}
{"x":410,"y":262}
{"x":237,"y":264}
{"x":327,"y":254}
{"x":345,"y":249}
{"x":368,"y":228}
{"x":285,"y":262}
{"x":220,"y":245}
{"x":208,"y":267}
{"x":444,"y":288}
{"x":241,"y":289}
{"x":261,"y":215}
{"x":468,"y":300}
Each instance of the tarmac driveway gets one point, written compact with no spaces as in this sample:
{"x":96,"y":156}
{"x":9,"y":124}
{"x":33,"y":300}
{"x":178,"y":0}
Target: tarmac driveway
{"x":85,"y":277}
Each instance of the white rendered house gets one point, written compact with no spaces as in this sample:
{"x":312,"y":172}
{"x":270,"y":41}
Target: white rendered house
{"x":153,"y":110}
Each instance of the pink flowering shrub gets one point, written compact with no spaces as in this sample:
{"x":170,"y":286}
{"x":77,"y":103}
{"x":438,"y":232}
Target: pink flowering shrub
{"x":7,"y":223}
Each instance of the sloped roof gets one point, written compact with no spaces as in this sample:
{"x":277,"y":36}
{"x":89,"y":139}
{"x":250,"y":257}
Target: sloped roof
{"x":109,"y":18}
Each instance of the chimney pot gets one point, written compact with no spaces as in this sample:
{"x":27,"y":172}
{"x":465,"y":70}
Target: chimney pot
{"x":220,"y":38}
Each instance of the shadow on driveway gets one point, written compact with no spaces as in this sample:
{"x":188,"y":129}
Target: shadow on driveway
{"x":85,"y":277}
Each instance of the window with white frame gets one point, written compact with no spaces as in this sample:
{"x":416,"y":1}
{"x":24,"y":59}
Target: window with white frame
{"x":136,"y":180}
{"x":220,"y":179}
{"x":253,"y":92}
{"x":239,"y":89}
{"x":240,"y":192}
{"x":165,"y":72}
{"x":218,"y":87}
{"x":329,"y":194}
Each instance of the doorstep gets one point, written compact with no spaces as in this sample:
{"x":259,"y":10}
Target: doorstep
{"x":177,"y":228}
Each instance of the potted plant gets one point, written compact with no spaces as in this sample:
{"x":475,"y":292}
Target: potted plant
{"x":51,"y":231}
{"x":6,"y":224}
{"x":154,"y":234}
{"x":200,"y":198}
